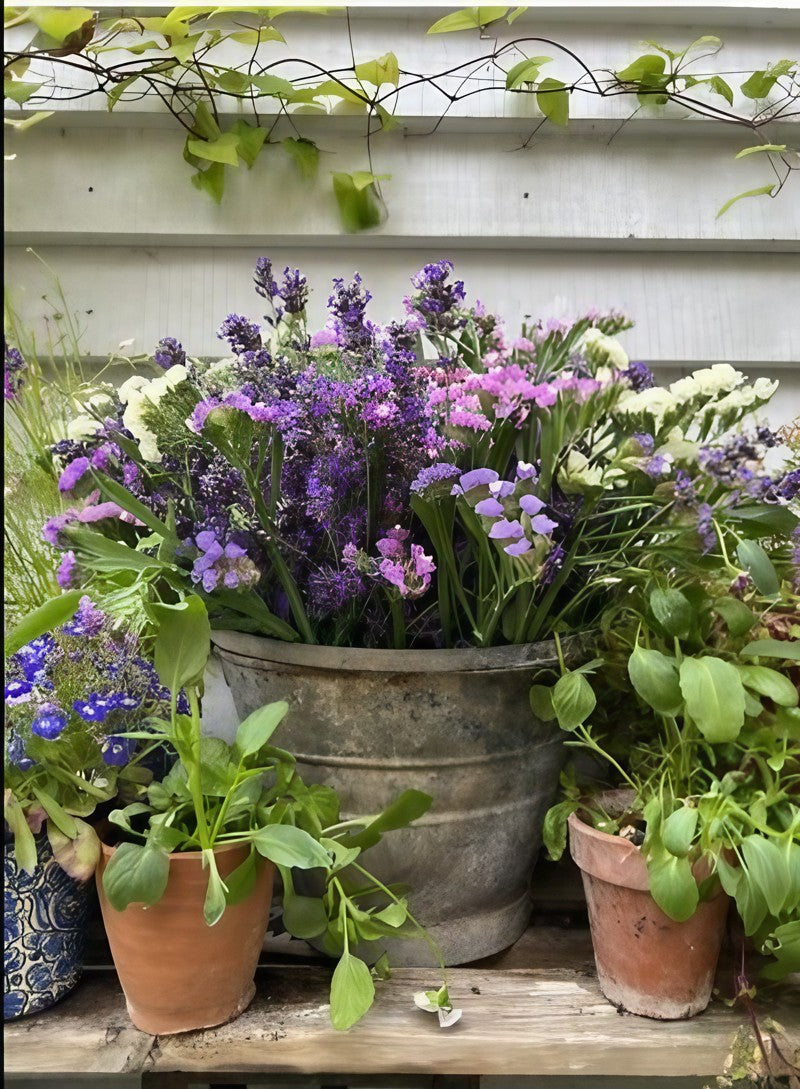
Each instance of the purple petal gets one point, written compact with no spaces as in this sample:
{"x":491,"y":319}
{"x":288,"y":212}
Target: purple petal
{"x":531,"y":504}
{"x":489,"y":508}
{"x":501,"y":488}
{"x":504,"y":529}
{"x":542,"y":524}
{"x":476,"y":477}
{"x":526,"y":471}
{"x":518,"y":548}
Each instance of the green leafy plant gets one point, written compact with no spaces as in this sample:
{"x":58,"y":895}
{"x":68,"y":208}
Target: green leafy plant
{"x":184,"y":58}
{"x":713,"y":763}
{"x":250,"y":793}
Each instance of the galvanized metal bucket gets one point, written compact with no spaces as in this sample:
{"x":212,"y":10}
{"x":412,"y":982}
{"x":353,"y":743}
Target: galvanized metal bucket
{"x":456,"y":724}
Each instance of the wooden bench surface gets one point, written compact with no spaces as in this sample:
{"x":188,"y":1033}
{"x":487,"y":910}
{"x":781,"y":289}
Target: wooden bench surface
{"x":536,"y":1009}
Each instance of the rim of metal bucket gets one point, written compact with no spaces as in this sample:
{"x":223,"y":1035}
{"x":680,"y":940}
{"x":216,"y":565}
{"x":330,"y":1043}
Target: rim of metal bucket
{"x":235,"y":644}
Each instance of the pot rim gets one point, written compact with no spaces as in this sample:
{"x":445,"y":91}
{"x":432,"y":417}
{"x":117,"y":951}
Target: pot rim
{"x":522,"y":656}
{"x":192,"y":856}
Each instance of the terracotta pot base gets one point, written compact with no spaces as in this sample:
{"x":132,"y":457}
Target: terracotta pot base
{"x":178,"y":973}
{"x":647,"y":963}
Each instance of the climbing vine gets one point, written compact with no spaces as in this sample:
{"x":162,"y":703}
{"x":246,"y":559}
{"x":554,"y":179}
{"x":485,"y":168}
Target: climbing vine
{"x":229,"y":112}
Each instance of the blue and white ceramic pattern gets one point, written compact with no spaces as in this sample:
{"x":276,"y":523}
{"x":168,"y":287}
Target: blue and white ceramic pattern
{"x":45,"y":923}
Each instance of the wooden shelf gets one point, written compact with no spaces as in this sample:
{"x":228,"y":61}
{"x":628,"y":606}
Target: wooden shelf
{"x":534,"y":1010}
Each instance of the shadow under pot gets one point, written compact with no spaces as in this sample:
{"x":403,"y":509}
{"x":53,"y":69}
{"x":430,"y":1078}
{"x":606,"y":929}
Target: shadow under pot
{"x":647,"y":963}
{"x":178,"y":973}
{"x":45,"y":924}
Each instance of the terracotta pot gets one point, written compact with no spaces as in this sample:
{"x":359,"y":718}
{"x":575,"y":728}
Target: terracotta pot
{"x":177,"y":972}
{"x":646,"y":962}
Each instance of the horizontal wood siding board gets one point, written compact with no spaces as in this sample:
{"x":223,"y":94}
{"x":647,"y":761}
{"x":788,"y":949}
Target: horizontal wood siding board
{"x":689,"y":308}
{"x":113,"y":185}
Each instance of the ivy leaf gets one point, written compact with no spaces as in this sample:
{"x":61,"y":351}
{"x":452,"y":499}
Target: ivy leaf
{"x":273,"y":86}
{"x":553,"y":100}
{"x":643,"y":70}
{"x":60,"y":23}
{"x":715,"y":83}
{"x":360,"y":206}
{"x":257,"y":36}
{"x":19,"y":91}
{"x":211,"y":181}
{"x":758,"y":148}
{"x":467,"y":19}
{"x":250,"y":140}
{"x":763,"y":190}
{"x":714,"y":696}
{"x":525,"y":71}
{"x":305,"y":154}
{"x":29,"y":122}
{"x":233,"y":82}
{"x":204,"y":124}
{"x":118,"y":90}
{"x":756,"y":561}
{"x":352,"y":991}
{"x":377,"y":72}
{"x":221,"y":150}
{"x":760,"y":83}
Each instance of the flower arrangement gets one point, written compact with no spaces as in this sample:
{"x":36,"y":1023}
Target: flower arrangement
{"x":430,"y":482}
{"x":70,"y":695}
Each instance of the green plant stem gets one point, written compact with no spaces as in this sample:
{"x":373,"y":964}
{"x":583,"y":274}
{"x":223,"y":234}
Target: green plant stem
{"x":194,"y":772}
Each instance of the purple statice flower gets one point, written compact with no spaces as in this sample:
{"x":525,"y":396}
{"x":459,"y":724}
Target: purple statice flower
{"x":15,"y":749}
{"x":294,"y":291}
{"x":87,"y":621}
{"x":347,"y":305}
{"x":552,"y":564}
{"x":169,"y":353}
{"x":739,"y":585}
{"x":242,"y":335}
{"x":65,"y":575}
{"x":13,"y":369}
{"x":440,"y":473}
{"x":219,"y":564}
{"x":705,"y":526}
{"x":411,"y":577}
{"x":437,"y":300}
{"x":638,"y":376}
{"x":49,"y":721}
{"x":17,"y":692}
{"x":73,"y":473}
{"x":324,"y":338}
{"x":683,"y":489}
{"x":117,"y":751}
{"x":264,"y":280}
{"x":646,"y":442}
{"x":102,"y":455}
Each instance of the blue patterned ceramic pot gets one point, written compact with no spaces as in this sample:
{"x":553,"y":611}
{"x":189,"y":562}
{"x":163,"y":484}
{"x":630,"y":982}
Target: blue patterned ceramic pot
{"x":45,"y":925}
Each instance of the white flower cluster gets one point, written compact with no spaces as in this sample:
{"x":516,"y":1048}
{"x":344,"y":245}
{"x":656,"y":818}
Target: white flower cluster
{"x":602,"y":350}
{"x":721,"y":387}
{"x":139,"y":394}
{"x":86,"y":426}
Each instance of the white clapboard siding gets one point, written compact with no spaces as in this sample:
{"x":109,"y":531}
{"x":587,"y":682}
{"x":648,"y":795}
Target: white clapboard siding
{"x":599,"y":215}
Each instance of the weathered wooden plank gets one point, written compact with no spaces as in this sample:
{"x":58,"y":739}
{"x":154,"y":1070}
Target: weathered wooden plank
{"x":87,"y":1033}
{"x":544,"y":1017}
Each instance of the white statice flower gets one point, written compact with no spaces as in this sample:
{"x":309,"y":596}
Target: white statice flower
{"x":756,"y":394}
{"x":655,"y":402}
{"x":132,"y":384}
{"x":602,"y":350}
{"x":708,"y":382}
{"x":578,"y":476}
{"x":142,"y":397}
{"x":82,"y":427}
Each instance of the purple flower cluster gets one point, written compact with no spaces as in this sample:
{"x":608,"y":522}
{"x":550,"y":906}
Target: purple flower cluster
{"x":219,"y":564}
{"x":513,"y":515}
{"x":738,"y":463}
{"x":169,"y":353}
{"x":347,"y":305}
{"x":13,"y":371}
{"x":437,"y":301}
{"x":242,"y":335}
{"x":638,"y":376}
